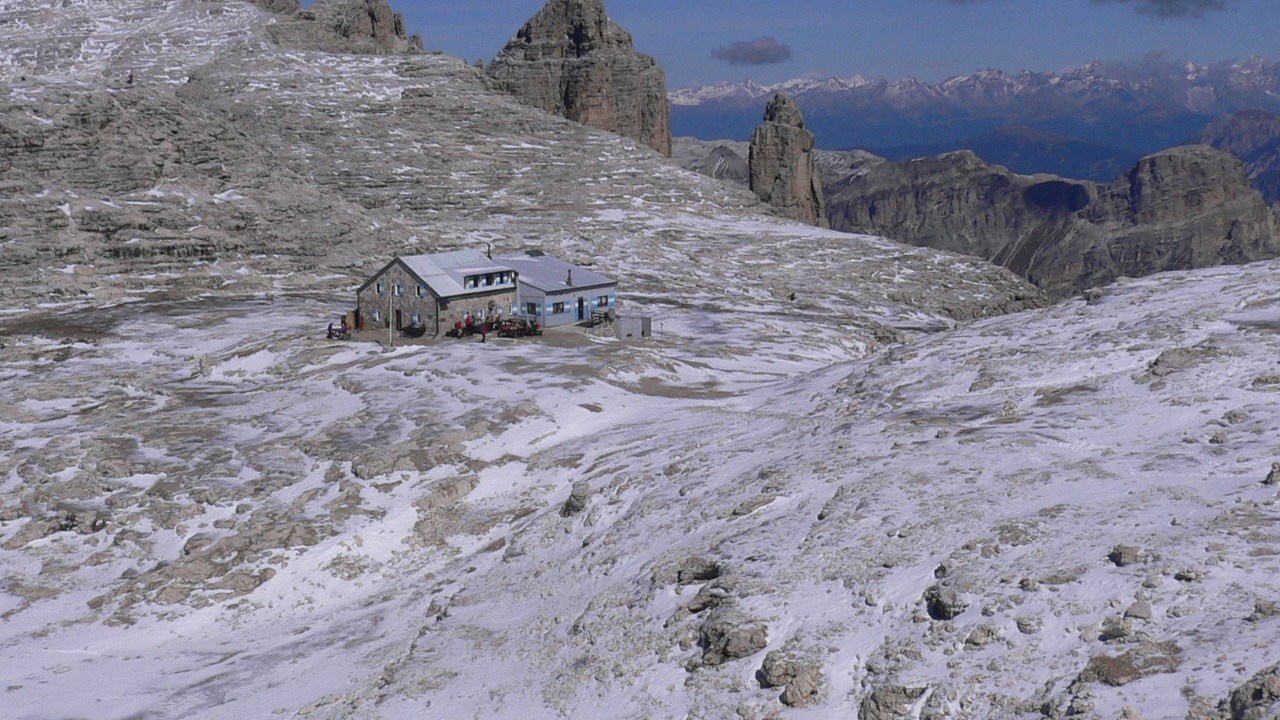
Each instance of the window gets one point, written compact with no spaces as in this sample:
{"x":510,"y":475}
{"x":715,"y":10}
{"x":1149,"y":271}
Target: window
{"x":531,"y":309}
{"x":470,"y":282}
{"x":602,"y":301}
{"x":400,"y":289}
{"x":416,"y":318}
{"x":377,"y":316}
{"x":488,"y":279}
{"x":422,"y":290}
{"x":380,"y":290}
{"x":557,"y":308}
{"x":480,"y":314}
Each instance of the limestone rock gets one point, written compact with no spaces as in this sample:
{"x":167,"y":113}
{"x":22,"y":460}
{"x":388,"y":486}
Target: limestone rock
{"x":889,"y":702}
{"x":1254,"y":137}
{"x":279,"y":6}
{"x":1122,"y":555}
{"x":370,"y":25}
{"x":1186,"y":207}
{"x":579,"y":494}
{"x":801,"y":680}
{"x":1273,"y":477}
{"x":781,"y":163}
{"x":697,"y":569}
{"x":1257,"y":699}
{"x":727,"y":635}
{"x":944,"y":603}
{"x":1143,"y":660}
{"x":572,"y":60}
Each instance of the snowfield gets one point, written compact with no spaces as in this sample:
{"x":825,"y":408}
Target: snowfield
{"x":241,"y":519}
{"x":845,"y":478}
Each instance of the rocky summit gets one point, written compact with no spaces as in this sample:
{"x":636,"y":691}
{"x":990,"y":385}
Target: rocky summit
{"x":846,"y":477}
{"x":572,"y":60}
{"x":782,"y":170}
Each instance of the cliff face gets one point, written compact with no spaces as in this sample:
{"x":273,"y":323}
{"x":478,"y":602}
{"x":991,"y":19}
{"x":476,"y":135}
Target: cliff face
{"x":1254,"y":137}
{"x":368,"y":27}
{"x":782,"y":170}
{"x":572,"y":60}
{"x":1187,"y":207}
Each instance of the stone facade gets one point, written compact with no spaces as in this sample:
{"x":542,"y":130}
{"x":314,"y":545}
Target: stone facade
{"x":395,"y":298}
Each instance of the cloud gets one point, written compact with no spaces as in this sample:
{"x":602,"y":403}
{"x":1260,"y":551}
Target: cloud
{"x":1172,"y":8}
{"x":1158,"y":8}
{"x":761,"y":51}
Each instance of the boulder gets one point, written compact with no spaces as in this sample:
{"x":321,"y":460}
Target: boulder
{"x":1122,"y":555}
{"x":1273,"y":477}
{"x":944,"y":603}
{"x":890,"y":702}
{"x":579,"y":494}
{"x":801,"y":679}
{"x":1143,"y":660}
{"x":781,"y":164}
{"x":572,"y":60}
{"x":727,"y":635}
{"x":1256,"y":699}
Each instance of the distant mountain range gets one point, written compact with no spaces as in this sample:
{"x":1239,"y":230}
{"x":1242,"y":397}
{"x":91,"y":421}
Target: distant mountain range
{"x":1083,"y":123}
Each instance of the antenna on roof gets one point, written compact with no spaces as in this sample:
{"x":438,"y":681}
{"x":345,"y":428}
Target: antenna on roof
{"x":488,"y":251}
{"x":569,"y":280}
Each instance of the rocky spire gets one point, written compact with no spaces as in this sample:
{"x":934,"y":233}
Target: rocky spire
{"x":782,"y":167}
{"x":572,"y":60}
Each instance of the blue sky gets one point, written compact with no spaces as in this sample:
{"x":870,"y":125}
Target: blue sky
{"x":927,"y":39}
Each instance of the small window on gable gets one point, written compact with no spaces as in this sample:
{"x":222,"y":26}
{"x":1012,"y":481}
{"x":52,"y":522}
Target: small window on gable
{"x":422,"y":291}
{"x":400,"y":289}
{"x":380,"y":290}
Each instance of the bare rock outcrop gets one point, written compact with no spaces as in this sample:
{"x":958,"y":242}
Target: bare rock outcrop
{"x":1183,"y":208}
{"x":572,"y":60}
{"x":1254,"y":137}
{"x":370,"y":25}
{"x":1257,"y":699}
{"x":781,"y":162}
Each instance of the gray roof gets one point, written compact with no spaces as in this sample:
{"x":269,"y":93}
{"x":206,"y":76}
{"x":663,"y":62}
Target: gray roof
{"x":444,"y":272}
{"x":549,"y":274}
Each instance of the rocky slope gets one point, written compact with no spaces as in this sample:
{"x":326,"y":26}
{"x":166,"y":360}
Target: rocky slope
{"x":572,"y":60}
{"x":877,"y":496}
{"x":1183,"y":208}
{"x":781,"y":166}
{"x":1187,"y":207}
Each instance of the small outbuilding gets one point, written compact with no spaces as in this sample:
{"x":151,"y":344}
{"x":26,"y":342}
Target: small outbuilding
{"x":555,"y":292}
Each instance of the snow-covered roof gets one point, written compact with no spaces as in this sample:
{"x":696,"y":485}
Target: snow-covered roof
{"x":444,"y":272}
{"x":551,"y":274}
